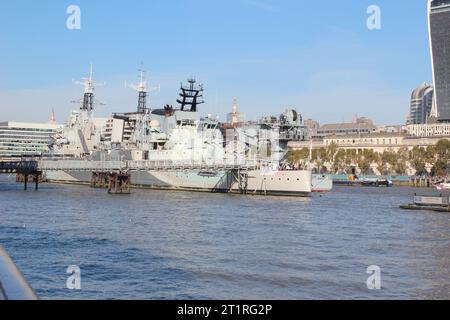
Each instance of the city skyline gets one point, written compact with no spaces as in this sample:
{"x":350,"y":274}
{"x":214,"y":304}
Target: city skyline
{"x":267,"y":66}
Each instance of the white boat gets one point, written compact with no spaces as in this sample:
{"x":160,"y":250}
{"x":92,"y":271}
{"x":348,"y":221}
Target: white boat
{"x":443,"y":186}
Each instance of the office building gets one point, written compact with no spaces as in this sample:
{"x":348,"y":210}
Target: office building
{"x":421,"y":104}
{"x":18,"y":139}
{"x":439,"y":30}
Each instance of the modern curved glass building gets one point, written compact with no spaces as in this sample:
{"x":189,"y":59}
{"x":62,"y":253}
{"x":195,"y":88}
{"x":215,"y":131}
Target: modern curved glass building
{"x":439,"y":28}
{"x":421,"y":104}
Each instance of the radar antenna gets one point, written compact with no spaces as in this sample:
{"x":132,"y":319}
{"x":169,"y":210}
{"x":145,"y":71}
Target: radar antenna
{"x":191,"y":96}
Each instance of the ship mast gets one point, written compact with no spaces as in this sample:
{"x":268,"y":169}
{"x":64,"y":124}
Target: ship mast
{"x":191,"y":96}
{"x":89,"y":88}
{"x":142,"y":102}
{"x":143,"y":90}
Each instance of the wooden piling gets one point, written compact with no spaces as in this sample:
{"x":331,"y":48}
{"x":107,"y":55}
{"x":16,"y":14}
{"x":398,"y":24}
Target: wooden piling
{"x":116,"y":182}
{"x":99,"y":179}
{"x":37,"y":178}
{"x":119,"y":183}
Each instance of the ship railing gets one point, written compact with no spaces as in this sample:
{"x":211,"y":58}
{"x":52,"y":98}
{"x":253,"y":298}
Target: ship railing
{"x":13,"y":285}
{"x":186,"y":165}
{"x":85,"y":165}
{"x":46,"y":165}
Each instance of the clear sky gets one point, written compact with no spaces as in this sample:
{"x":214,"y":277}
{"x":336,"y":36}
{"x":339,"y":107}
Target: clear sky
{"x":316,"y":56}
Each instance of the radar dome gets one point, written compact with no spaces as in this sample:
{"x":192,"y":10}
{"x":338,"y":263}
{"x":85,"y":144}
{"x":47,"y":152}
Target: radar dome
{"x":291,"y":116}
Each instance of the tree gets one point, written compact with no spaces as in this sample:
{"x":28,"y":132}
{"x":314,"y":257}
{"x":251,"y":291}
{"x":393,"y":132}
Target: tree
{"x":350,"y":157}
{"x":298,"y":156}
{"x":364,"y":165}
{"x":440,"y":168}
{"x":388,"y":162}
{"x":323,"y":154}
{"x":339,"y":163}
{"x":365,"y":159}
{"x":371,"y":156}
{"x":331,"y":151}
{"x":403,"y":154}
{"x":418,"y":160}
{"x":442,"y":149}
{"x":442,"y":155}
{"x":400,"y":167}
{"x":389,"y":157}
{"x":430,"y":154}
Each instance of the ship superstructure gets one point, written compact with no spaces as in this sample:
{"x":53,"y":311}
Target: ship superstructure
{"x":81,"y":133}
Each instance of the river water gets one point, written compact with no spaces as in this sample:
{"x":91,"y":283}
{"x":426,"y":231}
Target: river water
{"x":178,"y":245}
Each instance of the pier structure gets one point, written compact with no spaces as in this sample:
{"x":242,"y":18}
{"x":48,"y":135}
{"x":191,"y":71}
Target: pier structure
{"x":24,"y":170}
{"x":99,"y":179}
{"x":117,"y":182}
{"x":422,"y":182}
{"x":440,"y":203}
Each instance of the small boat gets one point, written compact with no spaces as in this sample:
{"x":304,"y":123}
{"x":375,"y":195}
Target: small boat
{"x":443,"y":186}
{"x":353,"y":180}
{"x":377,"y":183}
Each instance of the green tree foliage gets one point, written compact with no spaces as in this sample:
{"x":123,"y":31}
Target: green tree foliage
{"x":298,"y":156}
{"x":389,"y":162}
{"x":418,"y":159}
{"x":441,"y":155}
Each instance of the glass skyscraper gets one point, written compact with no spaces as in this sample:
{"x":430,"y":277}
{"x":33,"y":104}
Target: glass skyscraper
{"x":439,"y":28}
{"x":421,"y":104}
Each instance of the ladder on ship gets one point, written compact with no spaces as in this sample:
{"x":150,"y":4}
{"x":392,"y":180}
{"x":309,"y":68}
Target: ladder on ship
{"x":83,"y":142}
{"x":241,"y":178}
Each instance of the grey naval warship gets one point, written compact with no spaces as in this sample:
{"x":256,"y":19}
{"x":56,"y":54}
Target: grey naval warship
{"x":177,"y":149}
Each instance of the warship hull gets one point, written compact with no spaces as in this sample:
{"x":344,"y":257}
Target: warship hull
{"x":322,"y":183}
{"x":280,"y":183}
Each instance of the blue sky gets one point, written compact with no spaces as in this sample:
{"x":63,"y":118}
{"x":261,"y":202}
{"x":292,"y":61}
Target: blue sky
{"x":318,"y":57}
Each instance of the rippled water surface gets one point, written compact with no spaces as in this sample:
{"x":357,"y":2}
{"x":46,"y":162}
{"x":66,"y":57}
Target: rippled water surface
{"x":177,"y":245}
